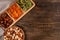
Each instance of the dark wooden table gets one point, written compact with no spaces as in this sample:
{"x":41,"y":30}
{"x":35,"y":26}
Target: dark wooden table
{"x":43,"y":21}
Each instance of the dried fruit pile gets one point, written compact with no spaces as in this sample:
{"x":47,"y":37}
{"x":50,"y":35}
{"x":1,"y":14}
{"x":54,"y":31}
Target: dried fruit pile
{"x":25,"y":4}
{"x":15,"y":11}
{"x":5,"y":20}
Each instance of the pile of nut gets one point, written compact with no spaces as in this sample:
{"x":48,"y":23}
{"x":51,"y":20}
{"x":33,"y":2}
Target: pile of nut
{"x":14,"y":33}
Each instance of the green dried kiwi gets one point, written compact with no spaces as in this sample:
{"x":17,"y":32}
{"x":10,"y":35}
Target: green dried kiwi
{"x":28,"y":5}
{"x":21,"y":2}
{"x":24,"y":4}
{"x":24,"y":8}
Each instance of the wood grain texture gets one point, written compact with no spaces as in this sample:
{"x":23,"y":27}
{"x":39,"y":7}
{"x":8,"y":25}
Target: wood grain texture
{"x":43,"y":21}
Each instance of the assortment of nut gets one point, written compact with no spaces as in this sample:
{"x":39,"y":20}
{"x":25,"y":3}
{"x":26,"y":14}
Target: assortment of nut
{"x":14,"y":33}
{"x":5,"y":20}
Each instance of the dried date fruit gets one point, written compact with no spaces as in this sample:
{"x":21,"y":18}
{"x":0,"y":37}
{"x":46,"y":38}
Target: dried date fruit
{"x":5,"y":20}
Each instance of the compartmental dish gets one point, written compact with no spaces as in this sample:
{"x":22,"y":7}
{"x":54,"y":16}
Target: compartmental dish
{"x":16,"y":12}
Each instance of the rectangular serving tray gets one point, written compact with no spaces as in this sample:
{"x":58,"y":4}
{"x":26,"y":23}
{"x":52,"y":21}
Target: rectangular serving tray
{"x":24,"y":13}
